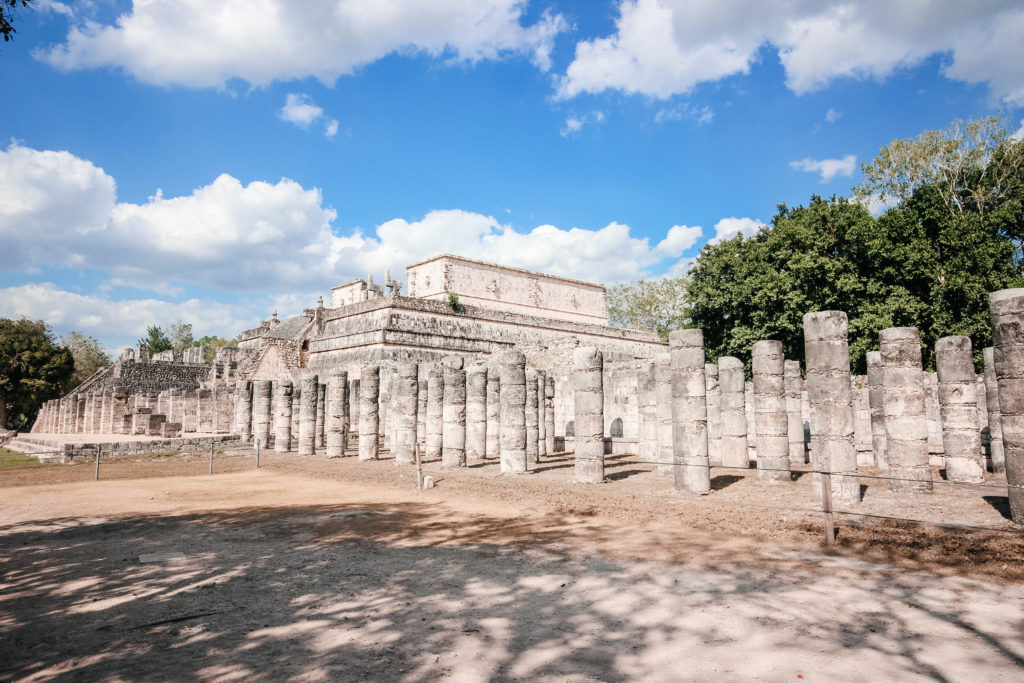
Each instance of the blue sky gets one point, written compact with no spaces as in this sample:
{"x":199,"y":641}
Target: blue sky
{"x":211,"y":162}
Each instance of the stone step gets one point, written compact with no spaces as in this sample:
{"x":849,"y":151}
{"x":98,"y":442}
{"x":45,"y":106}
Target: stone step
{"x":44,"y":453}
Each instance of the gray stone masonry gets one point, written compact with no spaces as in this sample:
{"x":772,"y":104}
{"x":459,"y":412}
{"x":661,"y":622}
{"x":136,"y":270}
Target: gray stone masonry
{"x":663,"y":410}
{"x":321,"y":414}
{"x":512,"y":366}
{"x":734,"y":418}
{"x":532,"y":415}
{"x":337,"y":385}
{"x":862,"y":420}
{"x":493,"y":449}
{"x":369,"y":387}
{"x":933,"y":418}
{"x":205,"y":411}
{"x":877,"y":413}
{"x":283,"y":416}
{"x":958,"y":403}
{"x":243,"y":409}
{"x":307,"y":415}
{"x":476,"y":412}
{"x":421,"y":407}
{"x":353,"y":410}
{"x":648,"y":445}
{"x":296,"y":411}
{"x":794,"y":420}
{"x":261,"y":412}
{"x":1007,"y":308}
{"x":453,"y":440}
{"x":827,"y":353}
{"x":995,"y":418}
{"x":770,"y":419}
{"x":748,"y":409}
{"x":542,"y":442}
{"x":549,"y":413}
{"x":588,"y":393}
{"x":406,"y":394}
{"x":979,"y":388}
{"x":713,"y":391}
{"x":435,"y":412}
{"x":689,"y":412}
{"x":903,"y":403}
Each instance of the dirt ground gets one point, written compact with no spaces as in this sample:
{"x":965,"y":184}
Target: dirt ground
{"x":316,"y":569}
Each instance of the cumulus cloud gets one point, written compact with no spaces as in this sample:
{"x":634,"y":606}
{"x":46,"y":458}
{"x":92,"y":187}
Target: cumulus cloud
{"x":679,"y":239}
{"x":666,"y":47}
{"x":727,"y":228}
{"x":831,"y":116}
{"x":300,"y":110}
{"x":575,"y":123}
{"x":699,"y":115}
{"x":261,"y":41}
{"x":828,"y":168}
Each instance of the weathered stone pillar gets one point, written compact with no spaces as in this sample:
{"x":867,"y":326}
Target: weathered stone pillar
{"x":734,"y":416}
{"x":369,"y":388}
{"x":296,"y":410}
{"x":648,"y":401}
{"x":770,"y":418}
{"x":493,"y":449}
{"x":793,"y":383}
{"x":80,"y":414}
{"x":748,"y":411}
{"x":933,"y":418}
{"x":406,"y":393}
{"x":453,"y":439}
{"x":261,"y":412}
{"x":588,"y":393}
{"x":1007,"y":307}
{"x":307,"y":415}
{"x":903,"y":397}
{"x":958,"y":403}
{"x":97,"y":412}
{"x":532,"y":413}
{"x":353,"y":407}
{"x":512,"y":376}
{"x":878,"y":440}
{"x":542,"y":441}
{"x":336,"y":428}
{"x":283,"y":415}
{"x":979,"y":389}
{"x":827,"y":351}
{"x":549,"y":413}
{"x":476,"y":412}
{"x":421,"y":407}
{"x":995,"y":418}
{"x":243,"y":409}
{"x":321,"y":414}
{"x":435,"y":412}
{"x":713,"y":392}
{"x":663,"y":410}
{"x":689,"y":411}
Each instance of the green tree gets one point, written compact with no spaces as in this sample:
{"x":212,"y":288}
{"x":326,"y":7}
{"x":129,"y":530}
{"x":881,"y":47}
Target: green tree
{"x":156,"y":339}
{"x":212,"y":344}
{"x":657,"y":305}
{"x":180,"y":335}
{"x":89,"y":356}
{"x":33,"y":369}
{"x":8,"y":9}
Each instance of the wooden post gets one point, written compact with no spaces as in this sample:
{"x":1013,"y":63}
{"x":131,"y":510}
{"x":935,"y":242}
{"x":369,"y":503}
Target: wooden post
{"x":211,"y":457}
{"x":97,"y":465}
{"x":826,"y":504}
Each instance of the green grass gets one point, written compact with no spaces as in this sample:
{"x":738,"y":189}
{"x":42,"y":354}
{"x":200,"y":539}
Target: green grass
{"x":9,"y":458}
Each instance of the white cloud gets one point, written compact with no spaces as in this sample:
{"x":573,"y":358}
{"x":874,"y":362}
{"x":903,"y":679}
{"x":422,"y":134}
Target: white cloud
{"x":700,"y":116}
{"x":187,"y":42}
{"x":679,"y":239}
{"x":831,"y":116}
{"x":575,"y":123}
{"x":876,"y":204}
{"x":331,"y":128}
{"x":300,"y":110}
{"x":728,"y":228}
{"x":1019,"y":135}
{"x":828,"y":168}
{"x":666,"y":47}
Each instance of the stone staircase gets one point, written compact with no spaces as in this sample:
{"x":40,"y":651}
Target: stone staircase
{"x":46,"y":451}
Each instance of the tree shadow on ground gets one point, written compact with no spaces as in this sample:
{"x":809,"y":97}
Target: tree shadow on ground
{"x":1001,"y":504}
{"x":723,"y":481}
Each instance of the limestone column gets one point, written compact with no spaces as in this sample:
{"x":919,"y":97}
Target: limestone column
{"x":307,"y":415}
{"x":663,"y":410}
{"x":493,"y":444}
{"x":903,"y":402}
{"x":549,"y":414}
{"x":689,"y":411}
{"x":421,"y":407}
{"x":283,"y":415}
{"x":931,"y":408}
{"x":542,"y":441}
{"x":406,"y":393}
{"x":243,"y":409}
{"x":713,"y":392}
{"x":512,"y":379}
{"x":1007,"y":307}
{"x":369,"y":388}
{"x":877,"y":410}
{"x":260,"y":412}
{"x":353,"y":407}
{"x":532,"y":413}
{"x":979,"y":388}
{"x":296,"y":411}
{"x":958,"y":405}
{"x":995,"y":418}
{"x":648,"y":443}
{"x":453,"y":438}
{"x":97,"y":412}
{"x":792,"y":384}
{"x":435,"y":412}
{"x":476,"y":412}
{"x":770,"y":417}
{"x":321,"y":414}
{"x":827,"y":351}
{"x":748,"y":411}
{"x":588,"y":393}
{"x":334,"y":439}
{"x":734,"y":416}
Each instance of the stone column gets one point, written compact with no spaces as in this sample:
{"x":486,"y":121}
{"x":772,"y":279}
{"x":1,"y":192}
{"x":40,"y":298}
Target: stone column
{"x":734,"y":416}
{"x":406,"y":393}
{"x":97,"y":412}
{"x":549,"y":414}
{"x":321,"y":414}
{"x":421,"y":407}
{"x":875,"y":371}
{"x":296,"y":411}
{"x":713,"y":392}
{"x":958,"y":403}
{"x":931,"y":411}
{"x":663,"y":410}
{"x":493,"y":449}
{"x":453,"y":439}
{"x":588,"y":393}
{"x":995,"y":418}
{"x":648,"y":402}
{"x":476,"y":412}
{"x":512,"y":376}
{"x":903,"y":397}
{"x":748,"y":411}
{"x":261,"y":391}
{"x":334,"y":439}
{"x":1007,"y":307}
{"x":532,"y":413}
{"x":283,"y":393}
{"x":353,"y":407}
{"x":689,"y":411}
{"x":307,"y":415}
{"x":542,"y":441}
{"x":435,"y":412}
{"x":346,"y":412}
{"x":826,"y":348}
{"x":792,"y":385}
{"x":369,"y":389}
{"x":243,"y":409}
{"x":770,"y":417}
{"x":979,"y":390}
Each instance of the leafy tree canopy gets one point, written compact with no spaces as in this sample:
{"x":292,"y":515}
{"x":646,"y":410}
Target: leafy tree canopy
{"x":212,"y":344}
{"x":180,"y":335}
{"x":654,"y":305}
{"x":89,"y":356}
{"x":157,"y":340}
{"x":8,"y":8}
{"x":33,"y":369}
